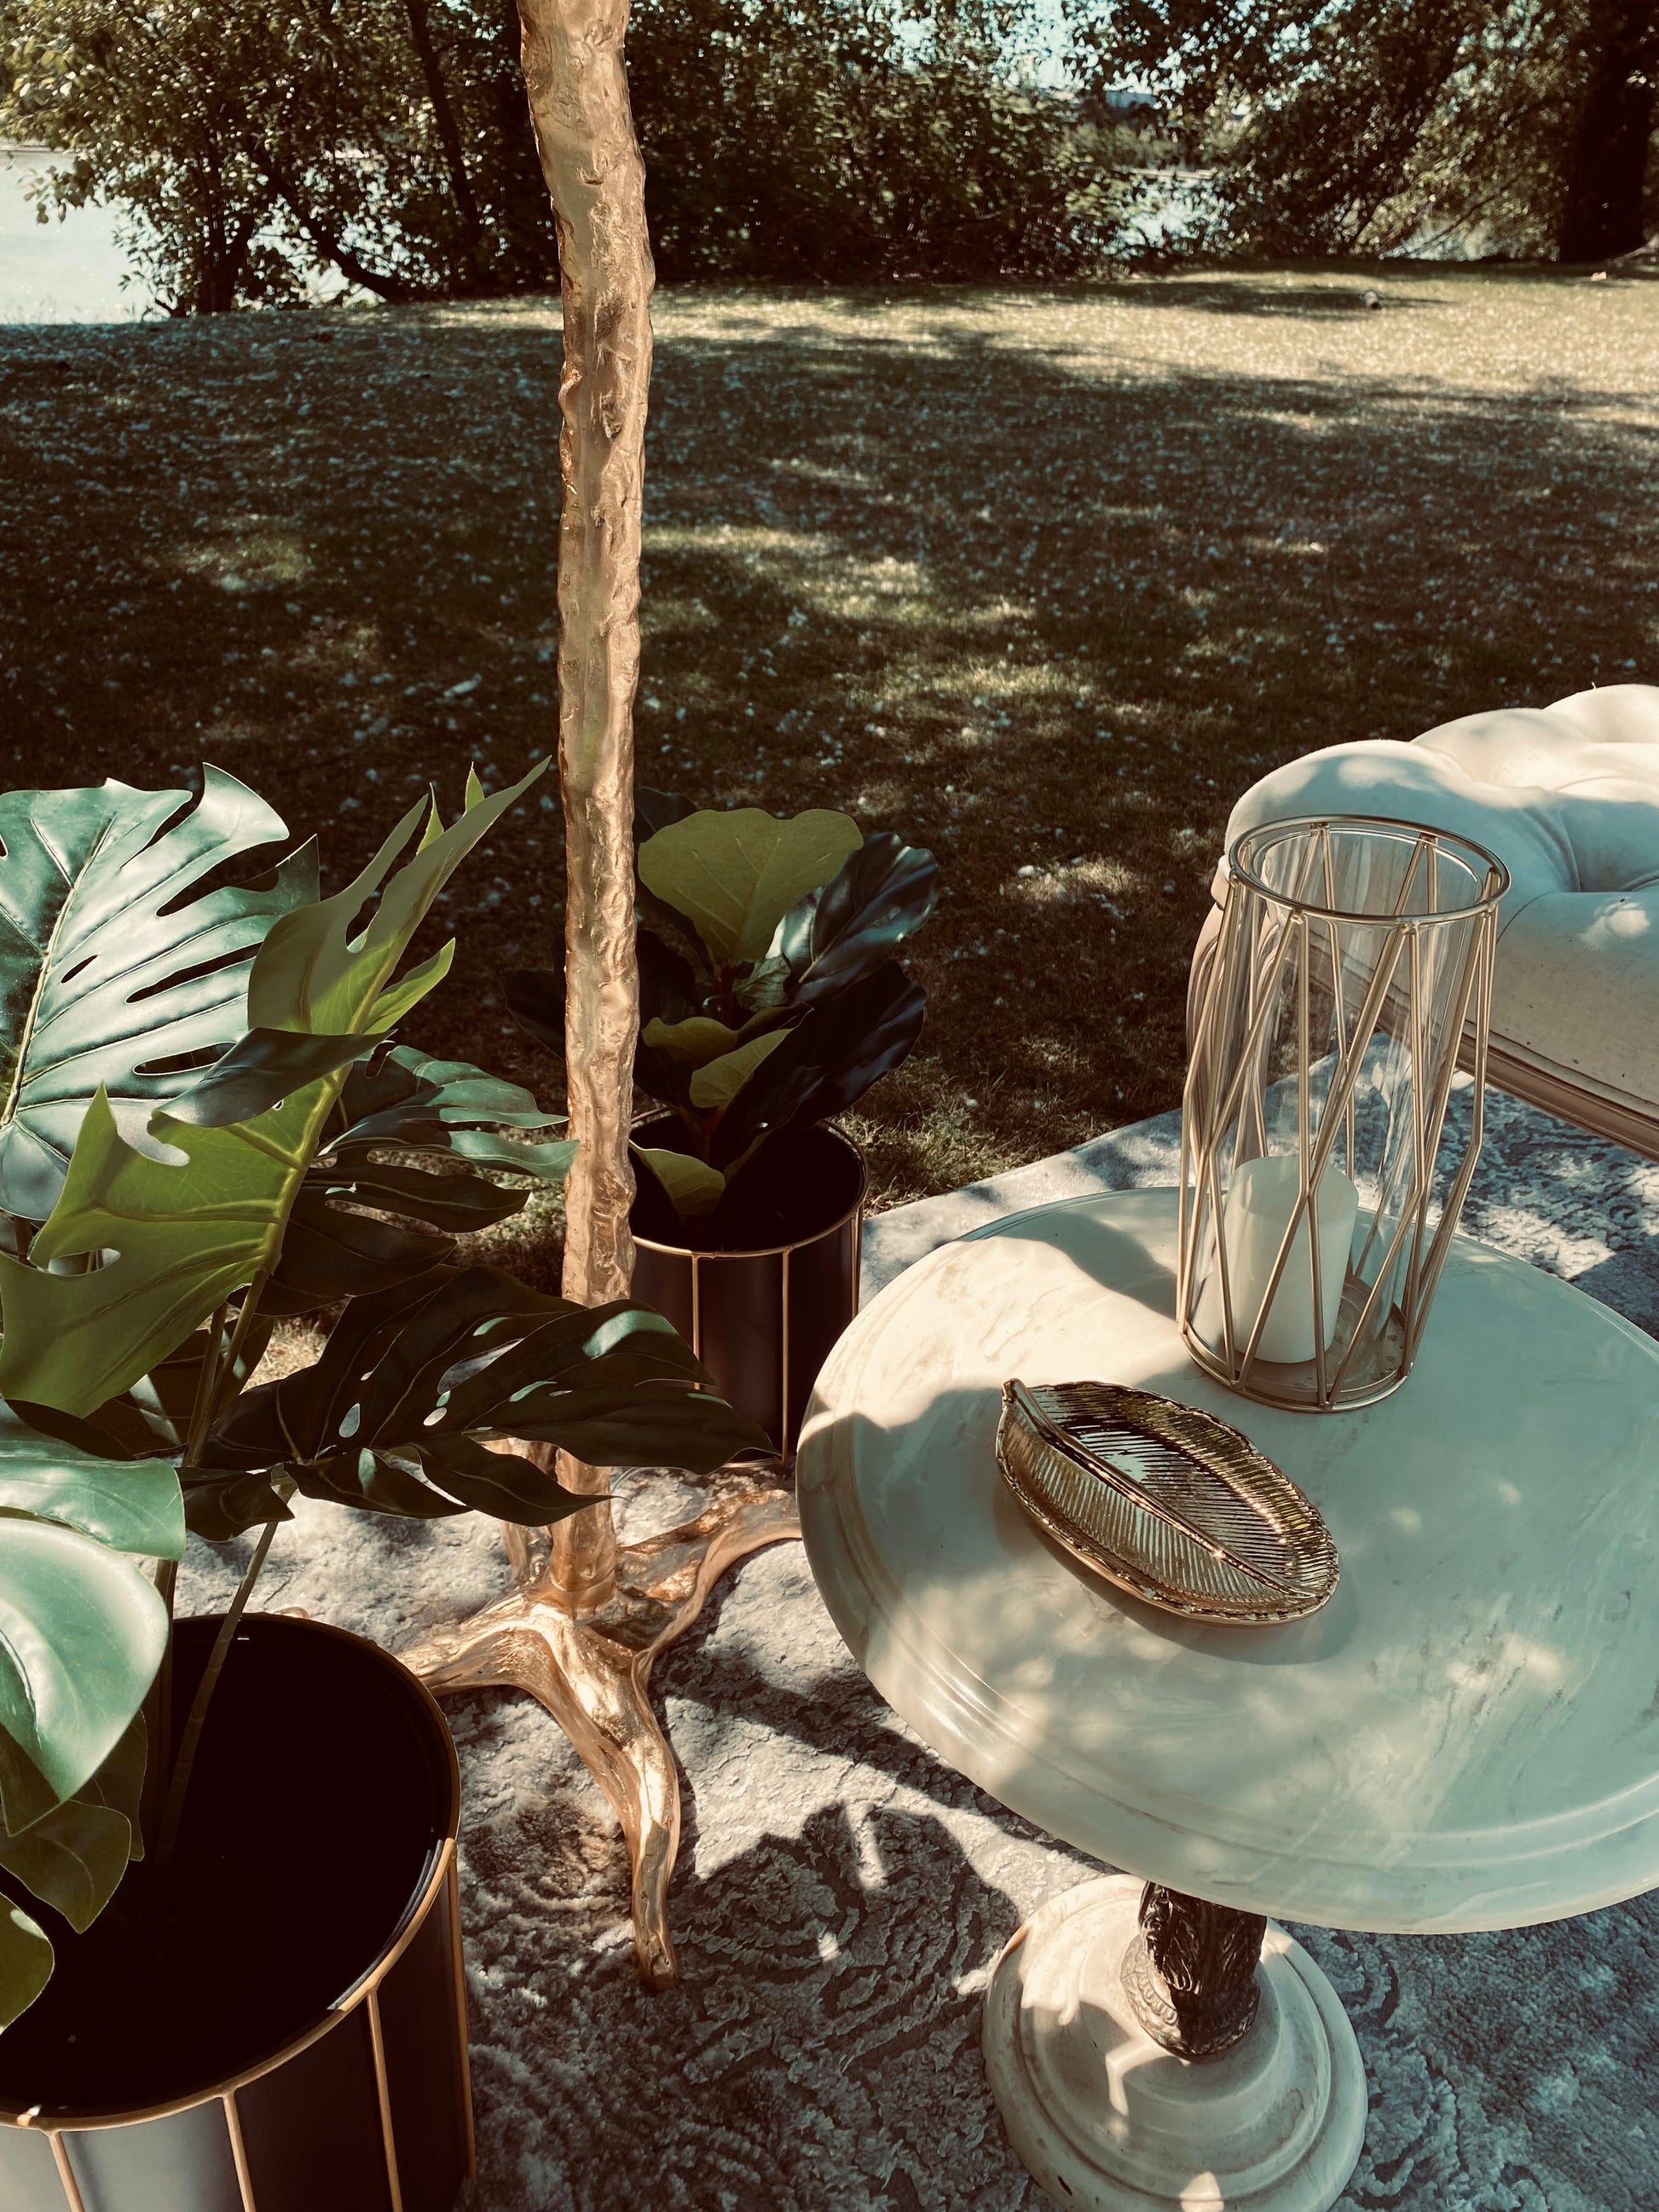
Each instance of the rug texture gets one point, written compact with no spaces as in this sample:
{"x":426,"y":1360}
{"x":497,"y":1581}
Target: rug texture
{"x":842,"y":1894}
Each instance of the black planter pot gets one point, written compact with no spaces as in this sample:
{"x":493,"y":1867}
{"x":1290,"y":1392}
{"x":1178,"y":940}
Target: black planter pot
{"x":291,"y":2036}
{"x":763,"y":1319}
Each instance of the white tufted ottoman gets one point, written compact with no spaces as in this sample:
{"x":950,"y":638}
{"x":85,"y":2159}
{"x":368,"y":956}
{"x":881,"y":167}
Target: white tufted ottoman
{"x":1567,"y":797}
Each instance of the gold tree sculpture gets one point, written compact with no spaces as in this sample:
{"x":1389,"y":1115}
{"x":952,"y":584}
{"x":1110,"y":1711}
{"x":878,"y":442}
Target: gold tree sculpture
{"x":585,"y":1615}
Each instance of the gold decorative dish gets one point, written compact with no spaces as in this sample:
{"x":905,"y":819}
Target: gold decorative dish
{"x":1171,"y":1504}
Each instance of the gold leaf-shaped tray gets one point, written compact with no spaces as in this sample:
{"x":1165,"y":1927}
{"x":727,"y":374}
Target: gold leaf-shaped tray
{"x":1169,"y":1502}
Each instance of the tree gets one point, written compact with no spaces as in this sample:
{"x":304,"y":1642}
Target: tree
{"x":382,"y":140}
{"x":1607,"y":206}
{"x":387,"y":142}
{"x":1344,"y":126}
{"x":843,"y":140}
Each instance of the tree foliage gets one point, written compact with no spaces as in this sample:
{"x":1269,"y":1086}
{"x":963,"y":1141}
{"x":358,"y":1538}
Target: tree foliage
{"x":1343,"y":126}
{"x":382,"y":141}
{"x":387,"y":142}
{"x":840,"y":140}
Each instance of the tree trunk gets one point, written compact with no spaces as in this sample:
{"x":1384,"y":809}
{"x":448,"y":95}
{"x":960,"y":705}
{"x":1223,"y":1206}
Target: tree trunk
{"x":573,"y":66}
{"x":1602,"y":213}
{"x":449,"y":135}
{"x":223,"y":258}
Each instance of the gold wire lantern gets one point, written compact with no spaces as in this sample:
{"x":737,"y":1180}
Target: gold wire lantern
{"x":1320,"y":1183}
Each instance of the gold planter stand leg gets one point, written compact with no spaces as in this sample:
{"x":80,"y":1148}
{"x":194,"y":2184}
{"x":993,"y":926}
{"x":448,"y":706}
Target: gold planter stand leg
{"x":592,"y":1669}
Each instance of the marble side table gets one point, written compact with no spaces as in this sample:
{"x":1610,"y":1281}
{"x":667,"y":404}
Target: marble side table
{"x":1466,"y":1737}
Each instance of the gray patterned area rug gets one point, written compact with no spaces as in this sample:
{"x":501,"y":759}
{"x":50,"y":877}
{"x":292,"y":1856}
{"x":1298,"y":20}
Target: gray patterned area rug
{"x":842,"y":1894}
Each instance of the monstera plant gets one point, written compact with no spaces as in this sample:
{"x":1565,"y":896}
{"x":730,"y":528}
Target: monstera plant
{"x":206,"y":1125}
{"x":771,"y":995}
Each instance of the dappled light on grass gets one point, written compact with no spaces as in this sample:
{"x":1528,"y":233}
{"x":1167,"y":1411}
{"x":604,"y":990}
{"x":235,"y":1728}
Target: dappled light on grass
{"x":1041,"y":580}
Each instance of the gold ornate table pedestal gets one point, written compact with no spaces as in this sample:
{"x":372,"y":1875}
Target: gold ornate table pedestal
{"x":592,"y":1669}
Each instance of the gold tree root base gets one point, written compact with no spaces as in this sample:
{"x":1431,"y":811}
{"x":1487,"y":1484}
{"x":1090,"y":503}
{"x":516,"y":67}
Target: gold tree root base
{"x":592,"y":1669}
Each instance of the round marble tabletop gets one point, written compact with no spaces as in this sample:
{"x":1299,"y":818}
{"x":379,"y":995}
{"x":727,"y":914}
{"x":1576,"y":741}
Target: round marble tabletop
{"x":1467,"y":1736}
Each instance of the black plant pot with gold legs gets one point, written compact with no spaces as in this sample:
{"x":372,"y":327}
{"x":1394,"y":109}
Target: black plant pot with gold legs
{"x":762,"y":1302}
{"x":286,"y":2031}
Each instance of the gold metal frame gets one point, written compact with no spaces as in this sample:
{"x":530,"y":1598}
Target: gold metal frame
{"x":1393,"y":999}
{"x":443,"y":1877}
{"x":854,"y":1213}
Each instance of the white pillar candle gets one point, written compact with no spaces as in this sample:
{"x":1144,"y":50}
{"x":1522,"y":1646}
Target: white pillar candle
{"x":1260,"y":1202}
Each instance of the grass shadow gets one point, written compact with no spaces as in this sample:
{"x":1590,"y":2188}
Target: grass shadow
{"x":1042,"y":579}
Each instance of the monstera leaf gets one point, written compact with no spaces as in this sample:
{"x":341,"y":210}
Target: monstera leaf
{"x":131,"y":1505}
{"x":82,"y":1634}
{"x":115,"y":969}
{"x":199,"y":1212}
{"x":415,"y":1381}
{"x":448,"y":1116}
{"x":73,"y":1857}
{"x":259,"y":1070}
{"x":25,"y":1960}
{"x":153,"y":1417}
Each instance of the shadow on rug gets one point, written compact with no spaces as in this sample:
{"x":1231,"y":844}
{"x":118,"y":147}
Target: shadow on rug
{"x":841,"y":1895}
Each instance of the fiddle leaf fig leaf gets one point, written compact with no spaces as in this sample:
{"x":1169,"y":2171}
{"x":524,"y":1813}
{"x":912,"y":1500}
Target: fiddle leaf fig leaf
{"x":26,"y":1961}
{"x":82,"y":1634}
{"x":826,"y":1063}
{"x":694,"y":1187}
{"x":765,"y":988}
{"x":718,"y":1082}
{"x":836,"y":936}
{"x":115,"y":972}
{"x":735,"y":875}
{"x":693,"y":1043}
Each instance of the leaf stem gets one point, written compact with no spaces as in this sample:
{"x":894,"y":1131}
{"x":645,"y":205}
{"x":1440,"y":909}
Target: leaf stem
{"x":207,"y":1388}
{"x":244,"y":1321}
{"x":179,"y":1782}
{"x":158,"y":1716}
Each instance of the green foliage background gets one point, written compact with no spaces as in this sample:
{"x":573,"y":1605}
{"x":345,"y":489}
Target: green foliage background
{"x":1371,"y":126}
{"x":386,"y":143}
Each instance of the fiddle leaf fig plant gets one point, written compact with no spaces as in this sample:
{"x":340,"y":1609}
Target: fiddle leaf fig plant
{"x":770,"y":995}
{"x":235,"y":1135}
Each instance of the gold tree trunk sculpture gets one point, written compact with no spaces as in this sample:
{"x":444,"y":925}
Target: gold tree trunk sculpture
{"x":586,"y":1616}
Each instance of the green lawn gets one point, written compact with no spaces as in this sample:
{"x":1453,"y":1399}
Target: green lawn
{"x":1041,"y":580}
